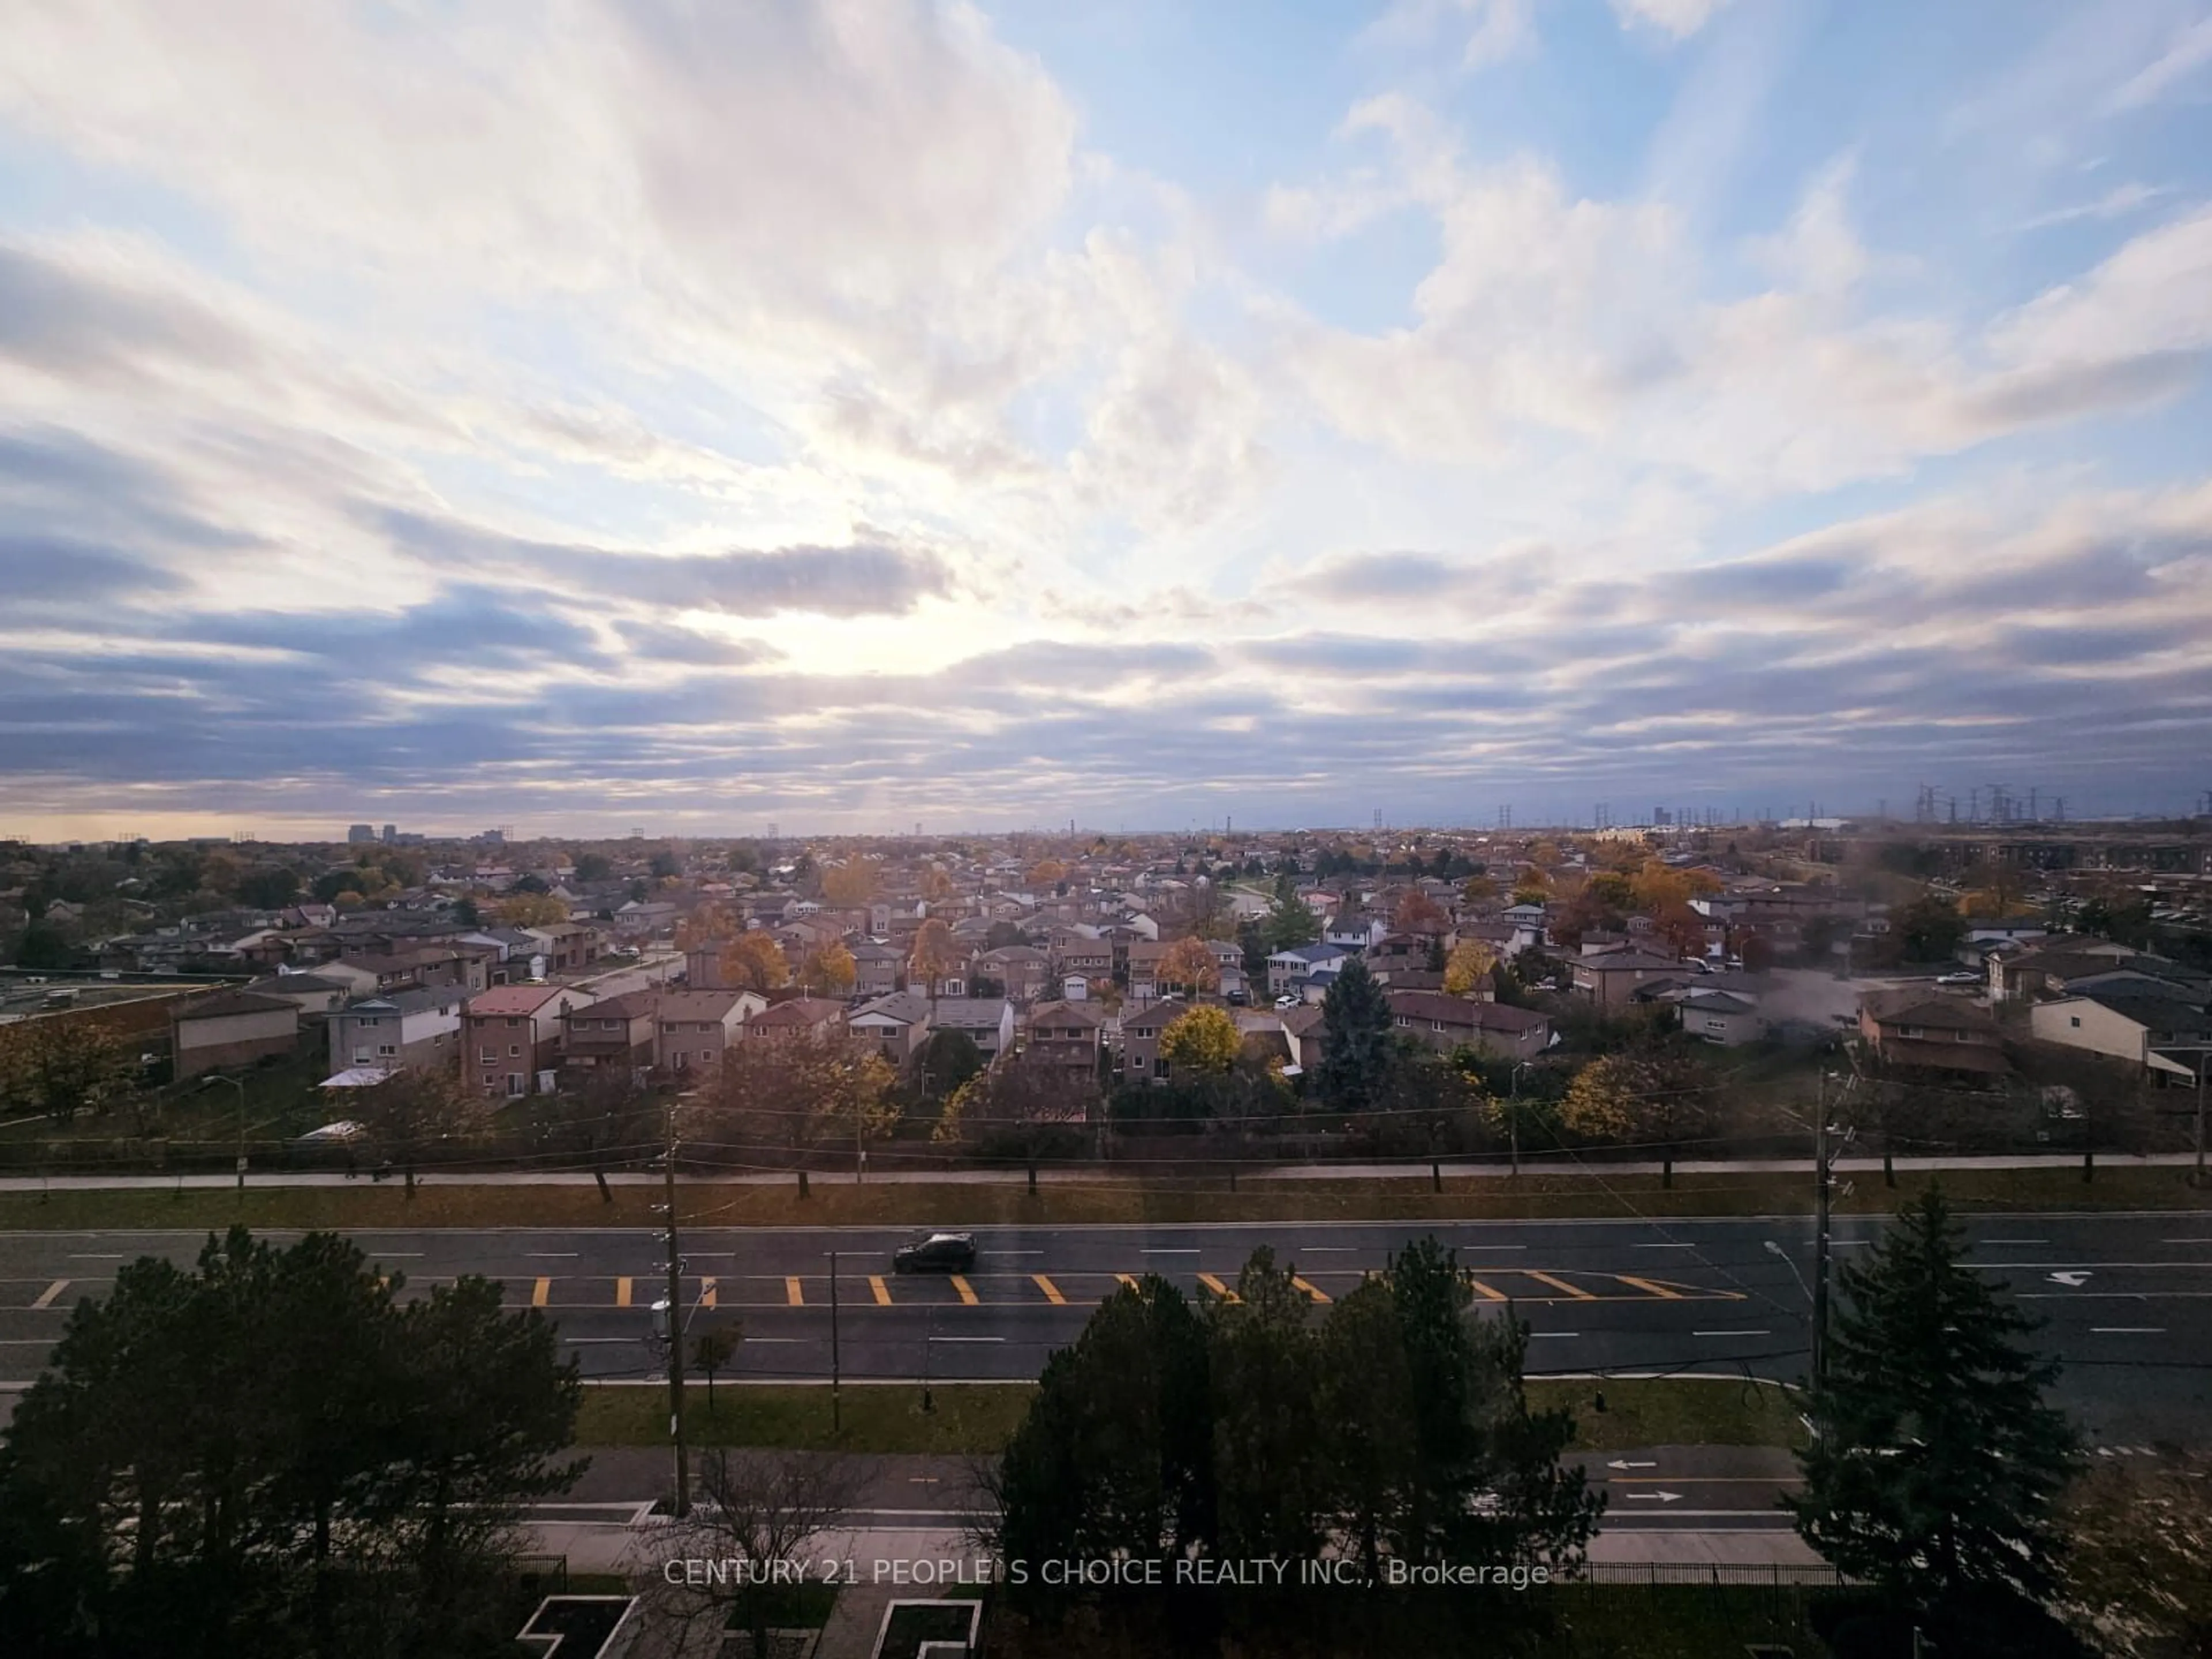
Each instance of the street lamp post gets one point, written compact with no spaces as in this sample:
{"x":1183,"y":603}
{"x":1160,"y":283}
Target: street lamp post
{"x":1513,"y":1112}
{"x":217,"y":1077}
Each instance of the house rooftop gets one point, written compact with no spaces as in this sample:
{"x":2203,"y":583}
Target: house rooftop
{"x":235,"y":1002}
{"x":513,"y":999}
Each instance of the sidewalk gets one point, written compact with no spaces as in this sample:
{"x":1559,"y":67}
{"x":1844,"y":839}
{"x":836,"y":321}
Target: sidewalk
{"x":1107,"y":1174}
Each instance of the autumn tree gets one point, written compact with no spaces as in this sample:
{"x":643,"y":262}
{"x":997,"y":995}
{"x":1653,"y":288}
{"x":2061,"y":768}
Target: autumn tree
{"x":1047,"y":872}
{"x":415,"y":1117}
{"x":935,"y":953}
{"x":1417,"y":913}
{"x":829,"y":970}
{"x":2136,"y":1577}
{"x":802,"y":1090}
{"x":1468,"y":967}
{"x":936,"y":885}
{"x":753,"y":961}
{"x":531,"y":910}
{"x":1651,"y":1094}
{"x":708,"y":926}
{"x":853,"y":881}
{"x":1478,"y":889}
{"x":1201,"y":1041}
{"x":1188,"y":963}
{"x":59,"y":1066}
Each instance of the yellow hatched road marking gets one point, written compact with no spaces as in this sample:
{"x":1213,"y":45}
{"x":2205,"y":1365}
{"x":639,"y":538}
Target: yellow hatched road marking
{"x":792,"y":1294}
{"x":1051,"y":1290}
{"x":1651,"y":1285}
{"x":1574,"y":1291}
{"x":47,"y":1296}
{"x":537,"y":1296}
{"x":1317,"y":1294}
{"x":882,"y":1291}
{"x":708,"y":1293}
{"x":1483,"y":1290}
{"x":622,"y":1292}
{"x":1126,"y":1279}
{"x":1212,"y":1282}
{"x":966,"y":1290}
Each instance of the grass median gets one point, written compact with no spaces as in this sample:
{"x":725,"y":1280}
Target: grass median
{"x":977,"y":1418}
{"x":455,"y":1202}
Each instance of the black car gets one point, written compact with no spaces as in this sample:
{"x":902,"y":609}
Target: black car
{"x":949,"y":1253}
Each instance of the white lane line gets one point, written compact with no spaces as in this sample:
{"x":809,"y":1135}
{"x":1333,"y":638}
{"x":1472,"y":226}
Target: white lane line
{"x":399,"y":1255}
{"x":1671,"y":1246}
{"x":2185,"y":1241}
{"x":2016,"y":1241}
{"x":554,"y":1256}
{"x":1731,"y":1332}
{"x":967,"y":1339}
{"x":2127,"y":1330}
{"x":1177,"y":1250}
{"x":1534,"y":1334}
{"x":119,"y":1256}
{"x":1328,"y":1249}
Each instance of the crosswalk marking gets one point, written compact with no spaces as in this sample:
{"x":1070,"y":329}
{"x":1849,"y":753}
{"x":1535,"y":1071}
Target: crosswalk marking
{"x":46,"y":1297}
{"x":543,"y":1289}
{"x":966,"y":1290}
{"x":1656,"y":1289}
{"x":792,"y":1294}
{"x":1051,"y":1290}
{"x":882,"y":1291}
{"x":709,"y":1293}
{"x":1317,"y":1295}
{"x":1574,"y":1291}
{"x":1212,"y":1282}
{"x":622,"y":1292}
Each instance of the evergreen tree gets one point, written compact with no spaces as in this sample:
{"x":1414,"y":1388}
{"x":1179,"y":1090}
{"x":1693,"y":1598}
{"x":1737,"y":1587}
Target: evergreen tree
{"x":1937,"y":1461}
{"x":1356,"y":1039}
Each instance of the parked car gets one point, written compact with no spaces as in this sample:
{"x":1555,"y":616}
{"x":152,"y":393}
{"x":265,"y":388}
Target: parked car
{"x":948,"y":1252}
{"x":1959,"y":978}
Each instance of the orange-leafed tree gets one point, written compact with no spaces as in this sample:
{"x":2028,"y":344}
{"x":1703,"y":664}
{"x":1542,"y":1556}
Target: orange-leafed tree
{"x":853,"y":881}
{"x":753,"y":961}
{"x":935,"y":954}
{"x":829,"y":970}
{"x":1469,"y":966}
{"x":1417,"y":913}
{"x":1188,"y":964}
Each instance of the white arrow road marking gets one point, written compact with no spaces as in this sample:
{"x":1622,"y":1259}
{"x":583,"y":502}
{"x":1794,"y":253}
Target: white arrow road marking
{"x":1655,"y":1497}
{"x":1623,"y":1463}
{"x":2073,"y":1280}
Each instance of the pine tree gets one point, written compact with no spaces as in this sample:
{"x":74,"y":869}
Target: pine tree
{"x":1937,"y":1461}
{"x":1356,"y":1047}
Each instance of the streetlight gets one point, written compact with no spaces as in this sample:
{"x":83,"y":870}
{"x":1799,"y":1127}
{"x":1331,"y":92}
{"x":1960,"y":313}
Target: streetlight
{"x":1790,"y":1262}
{"x":217,"y":1077}
{"x":1513,"y":1111}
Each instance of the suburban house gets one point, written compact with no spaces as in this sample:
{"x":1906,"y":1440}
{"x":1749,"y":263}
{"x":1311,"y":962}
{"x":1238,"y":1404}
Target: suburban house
{"x":1445,"y":1022}
{"x":398,"y":969}
{"x":1066,"y":1036}
{"x":876,"y":969}
{"x":229,"y":1030}
{"x":1093,"y":958}
{"x":1023,"y":969}
{"x":1141,"y":1039}
{"x":692,"y":1027}
{"x":1927,"y":1031}
{"x":988,"y":1021}
{"x":1720,"y":1017}
{"x":511,"y":1037}
{"x":2015,"y":976}
{"x":1286,"y":967}
{"x":2160,"y":1034}
{"x":315,"y":995}
{"x":1611,"y":979}
{"x":620,"y":1031}
{"x":418,"y":1028}
{"x":570,"y":946}
{"x":895,"y":1025}
{"x":1303,"y":1026}
{"x":799,"y":1017}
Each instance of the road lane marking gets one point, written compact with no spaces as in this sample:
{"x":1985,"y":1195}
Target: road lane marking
{"x":1051,"y":1290}
{"x":1483,"y":1290}
{"x":46,"y":1297}
{"x":1212,"y":1282}
{"x":553,"y":1255}
{"x":883,"y":1292}
{"x":709,"y":1293}
{"x":1662,"y":1247}
{"x":2127,"y":1330}
{"x":1731,"y":1332}
{"x":1537,"y":1333}
{"x":1353,"y":1250}
{"x":1574,"y":1291}
{"x":1651,"y":1285}
{"x":118,"y":1255}
{"x":1311,"y":1290}
{"x":1126,"y":1279}
{"x":967,"y":1339}
{"x":1176,"y":1249}
{"x":2162,"y":1241}
{"x":2016,"y":1241}
{"x":792,"y":1296}
{"x":966,"y":1290}
{"x":544,"y":1289}
{"x":622,"y":1292}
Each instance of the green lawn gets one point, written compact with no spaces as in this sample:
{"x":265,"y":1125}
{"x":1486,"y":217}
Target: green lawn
{"x":967,"y":1418}
{"x":978,"y":1418}
{"x":452,"y":1202}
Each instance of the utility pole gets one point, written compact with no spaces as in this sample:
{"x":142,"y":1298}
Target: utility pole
{"x":675,"y":1324}
{"x":2197,"y":1174}
{"x":1820,"y":1236}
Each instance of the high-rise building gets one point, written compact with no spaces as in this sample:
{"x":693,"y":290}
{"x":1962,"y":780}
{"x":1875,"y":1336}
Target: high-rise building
{"x":359,"y":832}
{"x":391,"y":834}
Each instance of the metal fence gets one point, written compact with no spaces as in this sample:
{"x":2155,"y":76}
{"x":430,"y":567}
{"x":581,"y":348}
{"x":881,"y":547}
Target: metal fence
{"x":1752,"y":1575}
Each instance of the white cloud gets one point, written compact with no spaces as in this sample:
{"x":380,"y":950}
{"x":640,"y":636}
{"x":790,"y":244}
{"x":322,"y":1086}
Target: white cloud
{"x":2188,"y":52}
{"x":1680,"y":19}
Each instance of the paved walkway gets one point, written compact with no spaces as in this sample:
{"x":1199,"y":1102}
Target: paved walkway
{"x":1109,"y":1175}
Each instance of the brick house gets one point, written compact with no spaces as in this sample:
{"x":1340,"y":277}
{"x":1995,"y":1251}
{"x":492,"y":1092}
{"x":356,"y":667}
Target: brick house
{"x":230,"y":1030}
{"x":693,"y":1028}
{"x":511,"y":1037}
{"x":623,"y":1031}
{"x":1927,"y":1031}
{"x":1446,"y":1023}
{"x":1067,"y":1037}
{"x":419,"y":1028}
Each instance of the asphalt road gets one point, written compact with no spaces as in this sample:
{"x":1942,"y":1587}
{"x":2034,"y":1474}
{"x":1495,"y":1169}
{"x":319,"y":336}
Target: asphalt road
{"x":2128,"y":1298}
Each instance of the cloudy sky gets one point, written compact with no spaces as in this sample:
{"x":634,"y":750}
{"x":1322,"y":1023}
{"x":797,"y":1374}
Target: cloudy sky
{"x":689,"y":415}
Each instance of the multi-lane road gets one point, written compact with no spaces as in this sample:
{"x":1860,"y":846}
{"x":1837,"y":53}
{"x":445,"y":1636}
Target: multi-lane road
{"x":2127,"y":1298}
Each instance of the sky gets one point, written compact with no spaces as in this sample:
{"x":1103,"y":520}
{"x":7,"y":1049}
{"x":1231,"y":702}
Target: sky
{"x":860,"y":415}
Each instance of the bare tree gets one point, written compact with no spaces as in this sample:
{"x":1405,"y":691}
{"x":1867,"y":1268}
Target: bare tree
{"x":762,"y":1513}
